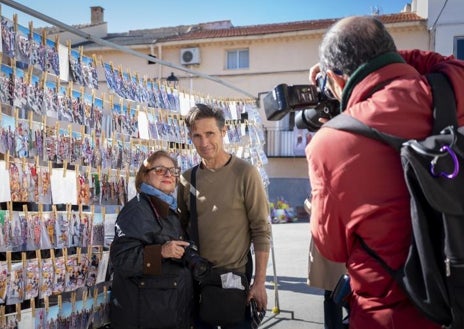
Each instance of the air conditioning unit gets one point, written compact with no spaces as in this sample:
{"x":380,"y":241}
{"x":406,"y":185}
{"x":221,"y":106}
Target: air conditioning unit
{"x":190,"y":56}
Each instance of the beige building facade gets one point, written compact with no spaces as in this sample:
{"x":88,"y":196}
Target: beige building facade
{"x":256,"y":58}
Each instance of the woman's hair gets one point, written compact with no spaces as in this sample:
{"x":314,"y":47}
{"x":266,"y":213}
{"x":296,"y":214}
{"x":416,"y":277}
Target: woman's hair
{"x":202,"y":111}
{"x":352,"y":42}
{"x":146,"y":165}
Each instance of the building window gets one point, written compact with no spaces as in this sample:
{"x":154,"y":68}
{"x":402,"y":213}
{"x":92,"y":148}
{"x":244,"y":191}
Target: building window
{"x":238,"y":59}
{"x":459,"y":47}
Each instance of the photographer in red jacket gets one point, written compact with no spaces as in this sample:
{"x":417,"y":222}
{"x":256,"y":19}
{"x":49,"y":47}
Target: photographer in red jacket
{"x":357,"y":183}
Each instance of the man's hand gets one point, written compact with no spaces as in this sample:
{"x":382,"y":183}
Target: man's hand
{"x":313,"y":72}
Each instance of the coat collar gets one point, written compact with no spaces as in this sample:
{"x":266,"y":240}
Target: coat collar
{"x":160,"y":207}
{"x":364,"y":70}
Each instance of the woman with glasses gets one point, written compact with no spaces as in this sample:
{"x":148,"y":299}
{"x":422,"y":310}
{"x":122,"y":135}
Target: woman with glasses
{"x":151,"y":286}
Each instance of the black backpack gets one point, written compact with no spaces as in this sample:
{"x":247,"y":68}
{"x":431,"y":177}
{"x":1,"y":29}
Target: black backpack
{"x":433,"y":274}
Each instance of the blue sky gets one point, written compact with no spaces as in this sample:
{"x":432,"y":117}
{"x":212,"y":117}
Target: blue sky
{"x":123,"y":16}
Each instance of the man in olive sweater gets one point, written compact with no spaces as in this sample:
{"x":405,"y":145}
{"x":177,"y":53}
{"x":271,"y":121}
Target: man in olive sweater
{"x":232,"y":206}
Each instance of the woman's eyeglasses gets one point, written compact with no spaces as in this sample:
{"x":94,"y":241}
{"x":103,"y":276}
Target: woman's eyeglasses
{"x":162,"y":171}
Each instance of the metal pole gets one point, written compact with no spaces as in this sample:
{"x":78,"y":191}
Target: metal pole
{"x":127,"y":50}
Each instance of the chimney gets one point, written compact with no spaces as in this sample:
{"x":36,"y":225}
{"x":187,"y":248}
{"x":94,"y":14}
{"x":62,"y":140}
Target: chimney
{"x":96,"y":15}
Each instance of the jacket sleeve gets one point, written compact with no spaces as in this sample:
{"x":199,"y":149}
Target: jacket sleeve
{"x":135,"y":235}
{"x":427,"y":62}
{"x":423,"y":61}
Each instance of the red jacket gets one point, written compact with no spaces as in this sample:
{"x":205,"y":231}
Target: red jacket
{"x":358,"y":189}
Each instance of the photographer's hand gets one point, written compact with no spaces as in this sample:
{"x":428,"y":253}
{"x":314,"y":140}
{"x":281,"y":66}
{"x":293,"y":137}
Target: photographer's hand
{"x":174,"y":249}
{"x":313,"y":72}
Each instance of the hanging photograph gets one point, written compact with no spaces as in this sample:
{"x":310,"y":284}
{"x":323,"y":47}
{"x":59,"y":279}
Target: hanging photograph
{"x":50,"y":99}
{"x":53,"y":319}
{"x":38,"y":53}
{"x":5,"y":192}
{"x":15,"y":293}
{"x":4,"y":280}
{"x":45,"y":191}
{"x":20,"y":93}
{"x":74,"y":230}
{"x":35,"y":94}
{"x":97,"y":116}
{"x":23,"y":139}
{"x":87,"y":103}
{"x":6,"y":85}
{"x":89,"y":72}
{"x":109,"y":76}
{"x":109,"y":222}
{"x":48,"y":238}
{"x":31,"y":279}
{"x":77,"y":107}
{"x":83,"y":189}
{"x":23,"y":46}
{"x":103,"y":267}
{"x":87,"y":150}
{"x":8,"y":37}
{"x":102,"y":309}
{"x":64,"y":105}
{"x":76,"y":147}
{"x":97,"y":157}
{"x":98,"y":230}
{"x":63,"y":146}
{"x":62,"y":228}
{"x":64,"y":186}
{"x":50,"y":144}
{"x":34,"y":223}
{"x":75,"y":67}
{"x":59,"y":275}
{"x":46,"y":278}
{"x":52,"y":57}
{"x":4,"y":232}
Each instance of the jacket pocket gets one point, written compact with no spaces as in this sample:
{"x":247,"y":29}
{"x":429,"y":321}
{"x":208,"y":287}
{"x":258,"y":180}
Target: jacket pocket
{"x":158,"y":301}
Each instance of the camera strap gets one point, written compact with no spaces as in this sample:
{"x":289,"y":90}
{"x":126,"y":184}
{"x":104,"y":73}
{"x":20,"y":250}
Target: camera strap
{"x":193,"y":207}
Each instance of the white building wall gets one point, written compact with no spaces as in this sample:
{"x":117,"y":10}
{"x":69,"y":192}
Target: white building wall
{"x":445,"y":21}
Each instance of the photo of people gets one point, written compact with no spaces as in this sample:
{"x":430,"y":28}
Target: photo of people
{"x":8,"y":37}
{"x":301,"y":138}
{"x":46,"y":278}
{"x":15,"y":292}
{"x":23,"y":46}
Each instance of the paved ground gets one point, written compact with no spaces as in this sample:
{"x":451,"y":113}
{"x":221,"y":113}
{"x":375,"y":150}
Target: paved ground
{"x":291,"y":304}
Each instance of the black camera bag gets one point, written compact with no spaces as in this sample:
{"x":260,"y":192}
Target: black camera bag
{"x":222,"y":306}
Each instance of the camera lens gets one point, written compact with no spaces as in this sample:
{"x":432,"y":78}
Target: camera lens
{"x":308,"y":119}
{"x":198,"y":265}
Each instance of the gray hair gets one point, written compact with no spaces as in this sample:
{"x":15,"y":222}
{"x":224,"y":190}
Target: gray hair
{"x":352,"y":42}
{"x":203,"y":111}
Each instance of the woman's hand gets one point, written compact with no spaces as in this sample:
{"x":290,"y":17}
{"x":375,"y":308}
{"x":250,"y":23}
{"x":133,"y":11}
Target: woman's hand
{"x":174,"y":249}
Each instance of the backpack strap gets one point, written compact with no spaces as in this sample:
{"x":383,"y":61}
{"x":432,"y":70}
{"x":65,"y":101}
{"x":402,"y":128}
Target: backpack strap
{"x":348,"y":123}
{"x":444,"y":104}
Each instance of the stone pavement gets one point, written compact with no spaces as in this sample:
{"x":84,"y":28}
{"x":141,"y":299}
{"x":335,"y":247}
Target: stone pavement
{"x":291,"y":304}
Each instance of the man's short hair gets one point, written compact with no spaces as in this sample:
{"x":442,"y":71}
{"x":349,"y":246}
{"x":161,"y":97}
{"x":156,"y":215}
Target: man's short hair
{"x":352,"y":42}
{"x":203,"y":111}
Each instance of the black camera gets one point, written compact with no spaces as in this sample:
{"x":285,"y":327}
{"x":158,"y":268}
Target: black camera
{"x":199,"y":266}
{"x":310,"y":102}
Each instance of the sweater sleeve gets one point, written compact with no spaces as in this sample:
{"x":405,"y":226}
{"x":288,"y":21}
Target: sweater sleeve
{"x":258,"y":211}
